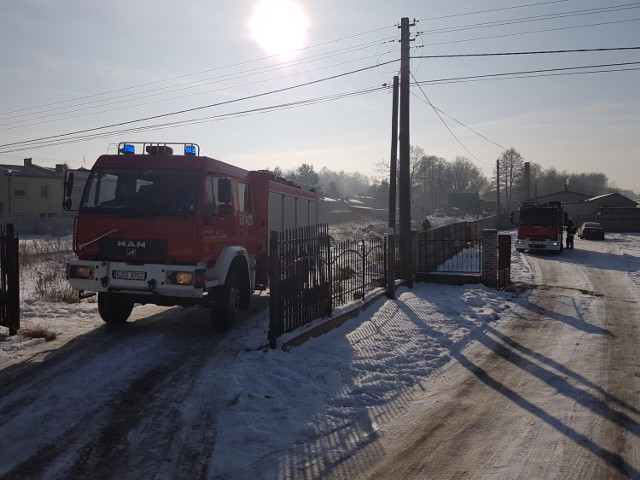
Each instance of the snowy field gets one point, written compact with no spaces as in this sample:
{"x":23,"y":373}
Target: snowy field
{"x":284,"y":410}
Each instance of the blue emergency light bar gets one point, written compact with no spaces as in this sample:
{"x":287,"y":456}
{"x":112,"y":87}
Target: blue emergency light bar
{"x":157,"y":148}
{"x":127,"y":148}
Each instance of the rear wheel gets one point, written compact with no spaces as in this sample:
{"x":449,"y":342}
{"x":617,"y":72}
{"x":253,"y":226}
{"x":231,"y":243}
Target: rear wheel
{"x":113,"y":308}
{"x":226,"y":304}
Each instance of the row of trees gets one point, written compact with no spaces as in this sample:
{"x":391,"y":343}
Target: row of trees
{"x":542,"y":181}
{"x":434,"y":178}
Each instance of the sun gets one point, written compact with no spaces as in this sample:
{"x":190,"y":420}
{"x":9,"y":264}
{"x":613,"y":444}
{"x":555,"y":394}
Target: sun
{"x":279,"y":26}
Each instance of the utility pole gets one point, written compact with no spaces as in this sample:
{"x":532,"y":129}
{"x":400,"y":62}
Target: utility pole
{"x":391,"y":260}
{"x":393,"y":157}
{"x":404,"y":179}
{"x":498,"y":193}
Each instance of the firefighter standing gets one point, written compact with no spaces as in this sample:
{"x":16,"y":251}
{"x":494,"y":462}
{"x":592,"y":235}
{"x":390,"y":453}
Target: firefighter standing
{"x":571,"y":231}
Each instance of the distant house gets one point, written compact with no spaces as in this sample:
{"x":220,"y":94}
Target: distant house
{"x":31,"y":198}
{"x":615,"y":211}
{"x":561,"y":196}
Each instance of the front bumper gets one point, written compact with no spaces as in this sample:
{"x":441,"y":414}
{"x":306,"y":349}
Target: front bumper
{"x":186,"y":281}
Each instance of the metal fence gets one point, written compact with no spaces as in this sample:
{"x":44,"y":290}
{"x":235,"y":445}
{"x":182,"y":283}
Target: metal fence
{"x":454,"y":248}
{"x":9,"y":279}
{"x":311,"y":273}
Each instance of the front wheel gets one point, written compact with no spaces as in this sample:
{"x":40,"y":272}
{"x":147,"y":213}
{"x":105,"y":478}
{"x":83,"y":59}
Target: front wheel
{"x":113,"y":308}
{"x":226,"y":303}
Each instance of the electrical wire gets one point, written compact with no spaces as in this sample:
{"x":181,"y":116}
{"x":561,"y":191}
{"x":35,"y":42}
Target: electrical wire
{"x":534,"y":52}
{"x":531,"y":73}
{"x":203,"y":107}
{"x":20,"y":124}
{"x":194,"y":84}
{"x":179,"y":77}
{"x":531,"y":32}
{"x":73,"y":138}
{"x":21,"y":145}
{"x":491,"y":10}
{"x":533,"y":18}
{"x":445,"y":123}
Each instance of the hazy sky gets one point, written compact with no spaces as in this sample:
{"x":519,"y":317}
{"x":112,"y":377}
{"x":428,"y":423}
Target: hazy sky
{"x":102,"y":68}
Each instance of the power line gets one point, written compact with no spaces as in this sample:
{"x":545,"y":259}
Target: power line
{"x":35,"y":144}
{"x":189,"y":110}
{"x":534,"y":18}
{"x":90,"y":133}
{"x":19,"y":124}
{"x":538,"y":52}
{"x":199,"y":83}
{"x":445,"y":123}
{"x":465,"y":126}
{"x":179,"y":77}
{"x":531,"y":32}
{"x":192,"y":84}
{"x":491,"y":10}
{"x":532,"y":73}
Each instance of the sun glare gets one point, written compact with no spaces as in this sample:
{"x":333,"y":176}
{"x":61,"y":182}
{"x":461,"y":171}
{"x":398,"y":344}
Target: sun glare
{"x":279,"y":26}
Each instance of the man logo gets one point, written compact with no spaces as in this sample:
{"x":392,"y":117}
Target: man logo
{"x":132,"y":244}
{"x":131,"y":252}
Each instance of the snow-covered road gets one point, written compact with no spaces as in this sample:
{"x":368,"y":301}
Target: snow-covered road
{"x":444,"y":382}
{"x":549,"y":392}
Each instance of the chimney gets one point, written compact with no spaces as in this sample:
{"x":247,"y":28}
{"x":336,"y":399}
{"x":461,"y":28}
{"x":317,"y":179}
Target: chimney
{"x":527,"y":181}
{"x":60,"y":168}
{"x":27,"y":162}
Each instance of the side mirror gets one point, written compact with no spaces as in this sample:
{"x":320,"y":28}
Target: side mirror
{"x":68,"y":184}
{"x":67,"y":203}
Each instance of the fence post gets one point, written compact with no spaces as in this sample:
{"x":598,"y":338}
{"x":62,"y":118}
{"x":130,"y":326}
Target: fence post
{"x":274,"y":289}
{"x":490,"y":257}
{"x":390,"y":253}
{"x":10,"y":279}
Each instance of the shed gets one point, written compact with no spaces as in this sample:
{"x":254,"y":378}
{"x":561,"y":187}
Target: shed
{"x":592,"y":210}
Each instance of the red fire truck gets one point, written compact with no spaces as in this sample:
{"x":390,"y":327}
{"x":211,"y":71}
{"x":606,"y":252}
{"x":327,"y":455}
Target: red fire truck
{"x":154,"y":227}
{"x":540,"y":226}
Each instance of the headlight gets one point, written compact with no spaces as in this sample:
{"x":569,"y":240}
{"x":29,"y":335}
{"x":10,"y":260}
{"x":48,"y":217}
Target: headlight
{"x":181,"y":278}
{"x":519,"y":242}
{"x":554,"y":244}
{"x":79,"y":271}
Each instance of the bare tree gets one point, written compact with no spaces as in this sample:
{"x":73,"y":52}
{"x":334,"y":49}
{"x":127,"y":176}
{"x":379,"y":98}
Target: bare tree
{"x":466,"y":176}
{"x":511,"y":170}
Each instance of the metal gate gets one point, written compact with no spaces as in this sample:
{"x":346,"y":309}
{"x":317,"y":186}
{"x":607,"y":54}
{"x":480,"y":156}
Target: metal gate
{"x":9,"y":279}
{"x":311,"y":274}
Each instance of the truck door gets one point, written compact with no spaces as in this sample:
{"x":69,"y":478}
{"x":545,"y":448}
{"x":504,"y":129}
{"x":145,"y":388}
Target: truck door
{"x":246,"y":217}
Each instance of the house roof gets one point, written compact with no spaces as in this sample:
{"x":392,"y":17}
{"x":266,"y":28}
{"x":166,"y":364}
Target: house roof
{"x":608,"y":196}
{"x":28,"y":171}
{"x":562,"y":193}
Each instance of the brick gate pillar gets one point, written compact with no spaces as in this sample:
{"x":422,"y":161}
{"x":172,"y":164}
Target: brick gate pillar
{"x":490,"y":257}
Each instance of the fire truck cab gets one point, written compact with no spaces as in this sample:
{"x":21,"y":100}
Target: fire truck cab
{"x":540,"y":226}
{"x":176,"y":229}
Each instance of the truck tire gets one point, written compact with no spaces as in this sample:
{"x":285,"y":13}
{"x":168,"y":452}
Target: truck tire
{"x":113,"y":308}
{"x":227,"y":302}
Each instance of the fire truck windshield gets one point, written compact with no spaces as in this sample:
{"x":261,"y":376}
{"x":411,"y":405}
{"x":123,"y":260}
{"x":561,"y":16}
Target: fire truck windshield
{"x":543,"y":218}
{"x":141,"y":192}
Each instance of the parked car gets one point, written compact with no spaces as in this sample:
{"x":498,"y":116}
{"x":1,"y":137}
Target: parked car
{"x":591,"y":231}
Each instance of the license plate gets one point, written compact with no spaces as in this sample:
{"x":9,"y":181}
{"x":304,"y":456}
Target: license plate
{"x":128,"y":275}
